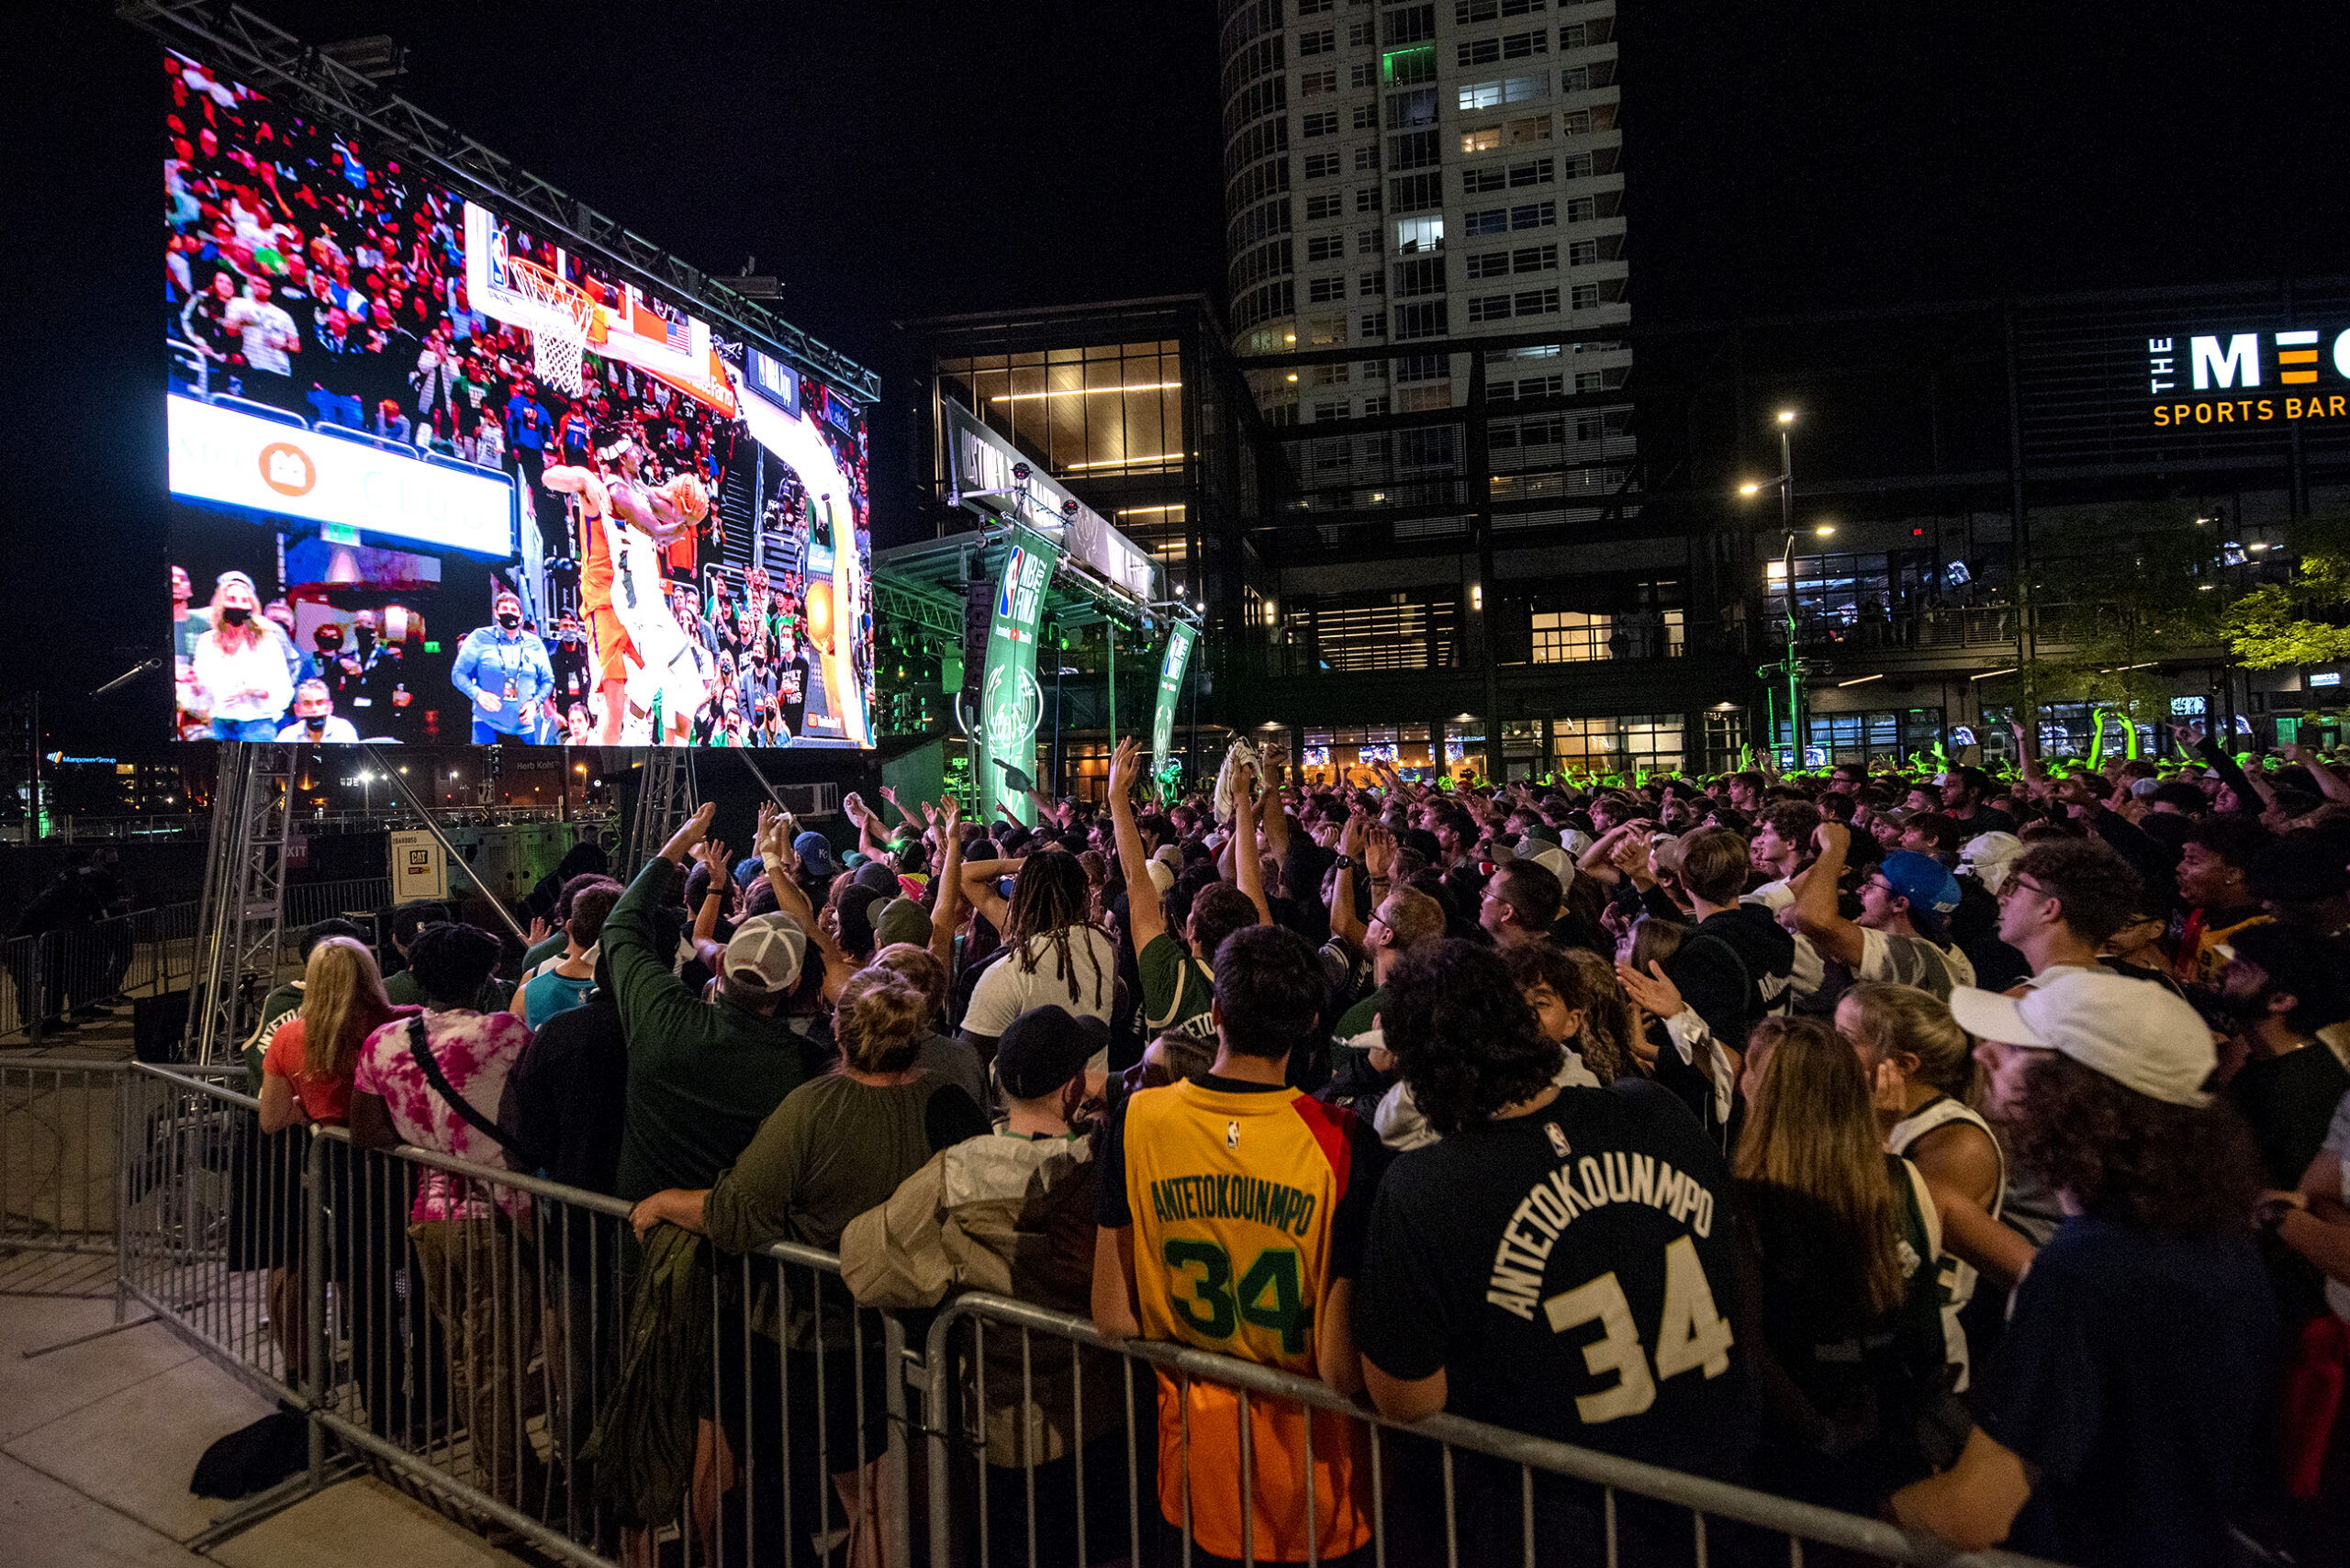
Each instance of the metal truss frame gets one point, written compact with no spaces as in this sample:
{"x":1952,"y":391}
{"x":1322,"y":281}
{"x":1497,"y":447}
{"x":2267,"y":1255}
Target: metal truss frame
{"x":665,"y":798}
{"x":267,"y":56}
{"x":241,"y":918}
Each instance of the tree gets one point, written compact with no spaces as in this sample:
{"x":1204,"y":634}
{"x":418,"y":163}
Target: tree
{"x":2302,"y":621}
{"x":2117,"y":591}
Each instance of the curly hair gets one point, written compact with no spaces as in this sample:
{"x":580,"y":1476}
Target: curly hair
{"x":2097,"y":888}
{"x":1533,"y":964}
{"x":1606,"y":1018}
{"x":1464,"y":1039}
{"x":879,"y":1020}
{"x":451,"y":961}
{"x":2179,"y":1168}
{"x":1050,"y":899}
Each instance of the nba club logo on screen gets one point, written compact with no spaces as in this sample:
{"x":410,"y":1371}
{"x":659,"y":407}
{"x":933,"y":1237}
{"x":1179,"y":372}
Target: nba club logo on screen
{"x":288,"y":469}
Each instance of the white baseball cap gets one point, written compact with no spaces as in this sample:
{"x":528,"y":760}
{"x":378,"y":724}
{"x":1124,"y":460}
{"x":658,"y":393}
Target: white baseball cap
{"x":1990,"y":856}
{"x":763,"y":959}
{"x":2138,"y":1033}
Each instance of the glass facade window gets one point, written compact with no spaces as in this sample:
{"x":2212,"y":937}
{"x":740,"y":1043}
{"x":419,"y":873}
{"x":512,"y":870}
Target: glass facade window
{"x":1623,"y":745}
{"x":1569,"y":636}
{"x":1111,"y":408}
{"x":1886,"y":734}
{"x":1843,"y":593}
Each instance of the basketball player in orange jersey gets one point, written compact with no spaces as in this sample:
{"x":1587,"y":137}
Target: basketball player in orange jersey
{"x":662,"y":515}
{"x":619,"y":500}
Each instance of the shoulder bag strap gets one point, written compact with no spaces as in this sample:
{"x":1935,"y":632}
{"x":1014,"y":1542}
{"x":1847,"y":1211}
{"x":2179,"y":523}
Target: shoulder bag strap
{"x":425,"y":1063}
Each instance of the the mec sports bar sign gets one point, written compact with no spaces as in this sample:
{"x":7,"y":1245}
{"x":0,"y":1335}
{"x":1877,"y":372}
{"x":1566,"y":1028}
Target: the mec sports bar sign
{"x":2250,"y":378}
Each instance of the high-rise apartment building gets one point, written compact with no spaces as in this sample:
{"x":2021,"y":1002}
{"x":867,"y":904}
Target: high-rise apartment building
{"x":1426,"y":247}
{"x":1400,"y":174}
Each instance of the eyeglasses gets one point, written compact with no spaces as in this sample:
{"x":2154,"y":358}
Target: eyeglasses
{"x":2017,"y":884}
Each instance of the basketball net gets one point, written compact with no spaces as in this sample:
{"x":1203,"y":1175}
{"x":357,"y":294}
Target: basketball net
{"x":558,"y":344}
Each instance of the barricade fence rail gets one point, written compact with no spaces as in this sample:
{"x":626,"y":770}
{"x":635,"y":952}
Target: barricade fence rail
{"x":504,"y":1341}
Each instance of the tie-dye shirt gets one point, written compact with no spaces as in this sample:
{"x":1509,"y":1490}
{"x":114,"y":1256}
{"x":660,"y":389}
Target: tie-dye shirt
{"x":476,"y":1051}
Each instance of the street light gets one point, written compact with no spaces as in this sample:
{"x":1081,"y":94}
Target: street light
{"x":1786,"y":486}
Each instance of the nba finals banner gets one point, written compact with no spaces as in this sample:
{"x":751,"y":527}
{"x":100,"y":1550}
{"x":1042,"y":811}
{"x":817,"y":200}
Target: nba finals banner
{"x":1011,"y":702}
{"x":1171,"y":695}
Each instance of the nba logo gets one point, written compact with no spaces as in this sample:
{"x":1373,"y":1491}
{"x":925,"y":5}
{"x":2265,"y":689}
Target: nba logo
{"x":1011,"y":580}
{"x":498,"y":258}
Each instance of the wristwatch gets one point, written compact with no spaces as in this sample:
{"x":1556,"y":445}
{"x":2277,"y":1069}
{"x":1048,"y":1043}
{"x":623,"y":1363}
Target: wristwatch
{"x":1344,"y":862}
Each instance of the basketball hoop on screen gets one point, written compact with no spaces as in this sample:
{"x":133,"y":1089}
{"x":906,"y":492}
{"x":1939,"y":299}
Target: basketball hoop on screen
{"x":559,"y":342}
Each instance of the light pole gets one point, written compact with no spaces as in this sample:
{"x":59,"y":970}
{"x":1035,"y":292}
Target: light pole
{"x":365,"y":804}
{"x":1792,"y":667}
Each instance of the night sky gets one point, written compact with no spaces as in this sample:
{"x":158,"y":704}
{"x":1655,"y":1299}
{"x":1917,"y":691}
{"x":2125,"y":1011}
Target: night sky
{"x":891,"y":161}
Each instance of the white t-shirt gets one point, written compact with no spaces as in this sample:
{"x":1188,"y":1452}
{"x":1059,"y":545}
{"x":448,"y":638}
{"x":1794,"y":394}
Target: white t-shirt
{"x":268,"y":332}
{"x":1006,"y":991}
{"x":1912,"y":960}
{"x":337,"y":733}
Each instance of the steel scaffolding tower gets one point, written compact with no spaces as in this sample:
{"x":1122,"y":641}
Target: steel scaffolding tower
{"x":244,"y":895}
{"x":665,"y":798}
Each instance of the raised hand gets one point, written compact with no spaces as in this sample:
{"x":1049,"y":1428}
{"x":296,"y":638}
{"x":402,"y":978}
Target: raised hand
{"x":1652,"y":992}
{"x":712,"y":853}
{"x":1125,"y":763}
{"x":696,"y":828}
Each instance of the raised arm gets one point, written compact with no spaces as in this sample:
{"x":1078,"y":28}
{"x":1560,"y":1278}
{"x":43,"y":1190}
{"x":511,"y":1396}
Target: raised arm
{"x":978,"y":889}
{"x":781,"y":861}
{"x":1816,"y":913}
{"x":1248,"y":865}
{"x":947,"y":909}
{"x":1275,"y":817}
{"x":1146,"y":914}
{"x":707,"y":947}
{"x":2330,"y":784}
{"x":1352,"y":843}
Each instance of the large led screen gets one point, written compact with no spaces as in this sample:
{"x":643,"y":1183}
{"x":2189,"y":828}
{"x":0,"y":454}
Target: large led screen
{"x":436,"y":478}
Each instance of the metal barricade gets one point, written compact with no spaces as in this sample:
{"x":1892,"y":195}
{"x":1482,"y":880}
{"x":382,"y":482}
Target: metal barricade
{"x":58,"y":1156}
{"x":475,"y":1330}
{"x":1443,"y":1490}
{"x":504,"y":1342}
{"x":213,"y":1213}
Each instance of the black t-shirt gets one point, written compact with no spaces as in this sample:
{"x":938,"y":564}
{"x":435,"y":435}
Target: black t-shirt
{"x":2131,"y":1378}
{"x":1574,"y":1274}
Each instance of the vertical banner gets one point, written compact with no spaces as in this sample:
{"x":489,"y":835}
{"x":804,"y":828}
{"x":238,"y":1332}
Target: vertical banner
{"x":1171,"y":695}
{"x":1011,"y":702}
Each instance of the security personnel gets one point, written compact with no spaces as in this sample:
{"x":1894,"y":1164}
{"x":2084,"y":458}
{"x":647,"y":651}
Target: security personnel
{"x":504,"y":671}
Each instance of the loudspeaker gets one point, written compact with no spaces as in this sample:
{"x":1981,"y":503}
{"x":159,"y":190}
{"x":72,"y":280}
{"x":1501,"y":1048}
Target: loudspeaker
{"x":157,"y":1024}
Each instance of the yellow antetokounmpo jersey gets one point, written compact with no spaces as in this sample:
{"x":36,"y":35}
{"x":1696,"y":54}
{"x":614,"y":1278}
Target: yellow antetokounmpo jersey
{"x":1235,"y":1198}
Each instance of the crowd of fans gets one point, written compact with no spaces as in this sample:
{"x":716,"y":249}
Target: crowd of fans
{"x":1962,"y":1147}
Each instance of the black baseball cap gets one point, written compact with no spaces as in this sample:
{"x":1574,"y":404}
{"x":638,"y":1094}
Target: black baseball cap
{"x":1044,"y":1049}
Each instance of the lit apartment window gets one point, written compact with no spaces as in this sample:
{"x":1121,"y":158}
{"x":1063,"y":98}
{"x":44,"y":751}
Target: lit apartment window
{"x":1510,"y":90}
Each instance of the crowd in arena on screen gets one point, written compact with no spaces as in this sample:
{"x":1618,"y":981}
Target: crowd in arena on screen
{"x":1967,"y":1144}
{"x":306,"y":272}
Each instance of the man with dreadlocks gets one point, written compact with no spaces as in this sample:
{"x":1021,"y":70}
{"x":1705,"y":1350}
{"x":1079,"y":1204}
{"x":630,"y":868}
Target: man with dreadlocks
{"x":1053,"y":952}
